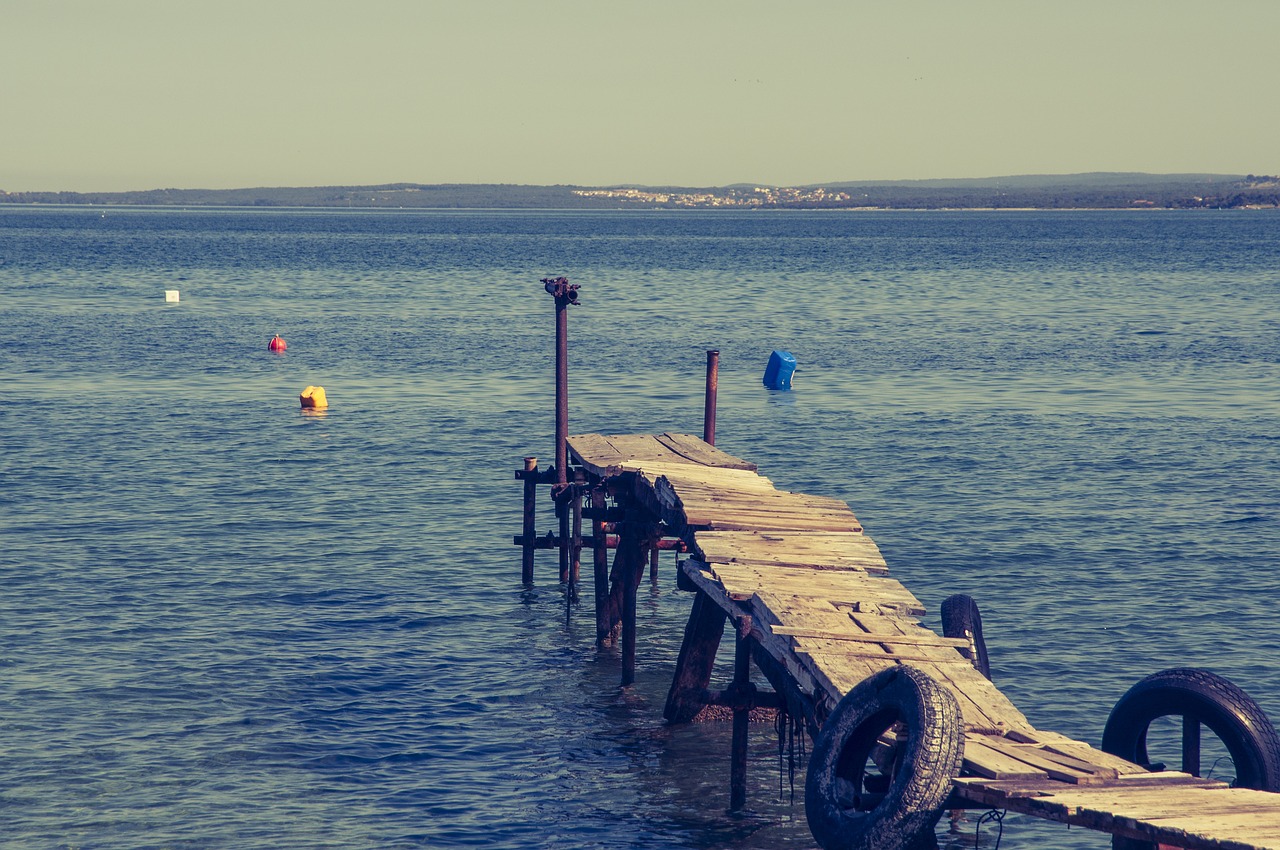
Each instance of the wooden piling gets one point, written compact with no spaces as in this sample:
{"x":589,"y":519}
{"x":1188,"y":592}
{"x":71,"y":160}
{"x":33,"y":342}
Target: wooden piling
{"x":696,"y":661}
{"x":636,"y":536}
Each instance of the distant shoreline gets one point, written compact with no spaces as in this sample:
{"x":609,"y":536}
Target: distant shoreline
{"x":1108,"y":191}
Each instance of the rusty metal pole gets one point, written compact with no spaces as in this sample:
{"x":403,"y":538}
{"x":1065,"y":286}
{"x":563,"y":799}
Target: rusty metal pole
{"x":530,"y":516}
{"x":600,"y":564}
{"x":565,"y":294}
{"x":629,"y":553}
{"x":575,"y":540}
{"x":709,"y":407}
{"x":741,"y":688}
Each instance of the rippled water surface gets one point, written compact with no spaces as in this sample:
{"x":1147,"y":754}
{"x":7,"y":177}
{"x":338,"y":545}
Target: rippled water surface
{"x":227,"y":623}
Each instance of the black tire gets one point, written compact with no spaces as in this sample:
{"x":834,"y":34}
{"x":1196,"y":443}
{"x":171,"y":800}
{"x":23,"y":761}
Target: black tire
{"x":842,"y":815}
{"x":960,"y":619}
{"x":1227,"y":711}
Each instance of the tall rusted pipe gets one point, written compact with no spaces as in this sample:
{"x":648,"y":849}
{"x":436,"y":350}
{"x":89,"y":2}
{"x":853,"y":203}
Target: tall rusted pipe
{"x":562,"y":389}
{"x":709,"y":407}
{"x":565,"y":294}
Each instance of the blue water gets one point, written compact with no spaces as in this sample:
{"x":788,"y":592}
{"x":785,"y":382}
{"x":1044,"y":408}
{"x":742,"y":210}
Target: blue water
{"x":230,"y":623}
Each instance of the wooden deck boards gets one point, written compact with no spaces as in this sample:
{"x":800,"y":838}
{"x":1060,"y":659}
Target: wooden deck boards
{"x":813,"y":588}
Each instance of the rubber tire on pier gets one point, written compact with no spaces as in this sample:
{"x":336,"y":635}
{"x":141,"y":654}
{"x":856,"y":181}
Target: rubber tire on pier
{"x":931,"y":759}
{"x":960,"y":619}
{"x":1229,"y":712}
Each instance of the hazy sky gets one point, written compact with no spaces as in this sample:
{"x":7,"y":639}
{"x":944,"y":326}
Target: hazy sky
{"x":107,"y":95}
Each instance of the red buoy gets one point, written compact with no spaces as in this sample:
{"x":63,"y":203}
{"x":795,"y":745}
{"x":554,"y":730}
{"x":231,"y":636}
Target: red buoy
{"x":277,"y":344}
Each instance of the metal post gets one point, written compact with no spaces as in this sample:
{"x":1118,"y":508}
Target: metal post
{"x":1190,"y":745}
{"x":629,"y":553}
{"x":600,"y":565}
{"x":530,"y":516}
{"x":709,"y":407}
{"x":575,"y":543}
{"x":741,"y":717}
{"x":565,"y":294}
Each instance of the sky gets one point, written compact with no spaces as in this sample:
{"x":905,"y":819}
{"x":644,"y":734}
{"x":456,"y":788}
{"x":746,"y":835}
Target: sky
{"x":120,"y":95}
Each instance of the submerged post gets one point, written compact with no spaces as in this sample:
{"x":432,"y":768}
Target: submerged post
{"x":565,"y":294}
{"x":741,"y":688}
{"x":709,"y":406}
{"x":600,"y":565}
{"x":530,"y":514}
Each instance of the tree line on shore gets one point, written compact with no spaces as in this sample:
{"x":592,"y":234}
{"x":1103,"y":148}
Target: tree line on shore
{"x":1090,"y":191}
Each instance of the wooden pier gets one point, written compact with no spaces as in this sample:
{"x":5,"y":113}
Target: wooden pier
{"x":812,"y":606}
{"x":904,"y":721}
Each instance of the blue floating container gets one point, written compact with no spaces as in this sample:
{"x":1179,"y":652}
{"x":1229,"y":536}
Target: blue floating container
{"x":777,"y":375}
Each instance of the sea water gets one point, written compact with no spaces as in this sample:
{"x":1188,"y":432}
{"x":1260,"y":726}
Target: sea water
{"x":229,"y":622}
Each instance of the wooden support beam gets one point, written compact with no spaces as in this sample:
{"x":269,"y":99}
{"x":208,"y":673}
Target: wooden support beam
{"x":696,"y":661}
{"x":636,"y":537}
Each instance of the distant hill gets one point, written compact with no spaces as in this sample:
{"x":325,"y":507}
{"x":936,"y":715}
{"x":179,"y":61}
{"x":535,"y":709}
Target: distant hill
{"x":1102,"y":190}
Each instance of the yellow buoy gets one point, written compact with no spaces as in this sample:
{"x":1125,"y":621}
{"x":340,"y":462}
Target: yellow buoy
{"x":313,"y":397}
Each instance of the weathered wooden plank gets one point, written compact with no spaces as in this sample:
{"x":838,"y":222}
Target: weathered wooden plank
{"x":861,"y":651}
{"x":780,"y":650}
{"x":765,"y":521}
{"x":839,"y":676}
{"x":700,"y":452}
{"x":672,"y":467}
{"x":781,"y":509}
{"x":1257,"y":830}
{"x":774,"y":507}
{"x":837,"y":586}
{"x":1078,"y":749}
{"x":604,"y":454}
{"x":928,"y":639}
{"x":988,"y":762}
{"x":596,"y":454}
{"x":1059,"y":766}
{"x":994,"y":792}
{"x":832,"y":564}
{"x":983,"y":705}
{"x":777,"y":507}
{"x":832,"y":548}
{"x":1128,"y":812}
{"x":992,"y":710}
{"x":698,"y":490}
{"x":981,"y":715}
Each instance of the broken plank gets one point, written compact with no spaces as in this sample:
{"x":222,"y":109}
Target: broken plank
{"x":993,"y":764}
{"x":699,"y":451}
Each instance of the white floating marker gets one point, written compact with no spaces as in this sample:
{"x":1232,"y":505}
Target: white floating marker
{"x":171,"y":296}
